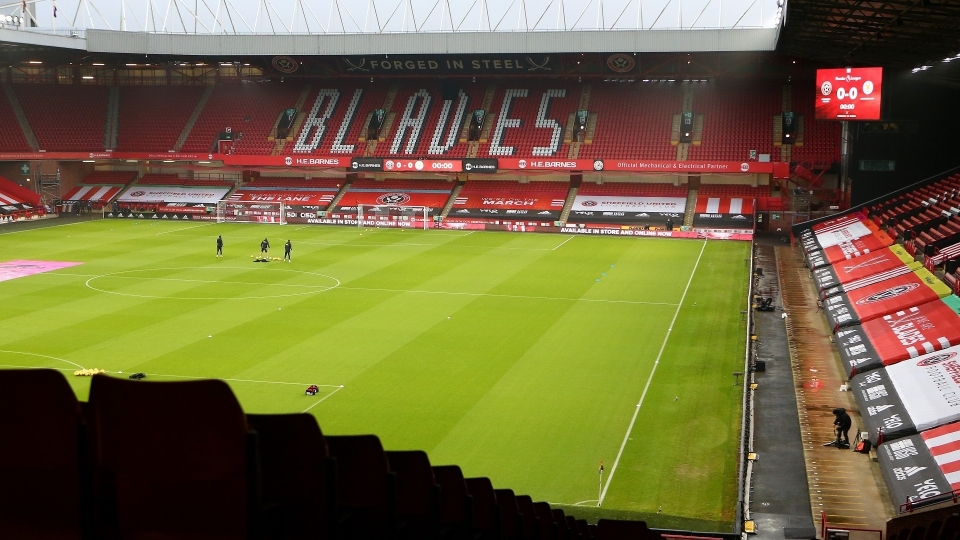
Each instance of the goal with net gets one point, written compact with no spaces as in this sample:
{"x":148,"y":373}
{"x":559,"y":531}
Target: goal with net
{"x":413,"y":217}
{"x":251,"y":212}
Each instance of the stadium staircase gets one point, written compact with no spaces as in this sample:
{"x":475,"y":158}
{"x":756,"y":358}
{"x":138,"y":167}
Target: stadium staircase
{"x":21,"y":117}
{"x":343,"y":191}
{"x":197,"y":111}
{"x":371,"y":149}
{"x":297,"y":123}
{"x":473,"y":148}
{"x":690,"y":210}
{"x":111,"y":126}
{"x":453,"y":197}
{"x":571,"y":196}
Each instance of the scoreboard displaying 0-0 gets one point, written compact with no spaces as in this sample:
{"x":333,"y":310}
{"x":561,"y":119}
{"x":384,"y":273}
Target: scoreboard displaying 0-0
{"x":849,"y":93}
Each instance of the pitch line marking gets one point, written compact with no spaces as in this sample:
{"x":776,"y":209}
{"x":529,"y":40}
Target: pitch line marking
{"x":184,"y":228}
{"x":319,"y":401}
{"x":42,"y":356}
{"x":510,"y":296}
{"x":562,"y":243}
{"x":337,"y":386}
{"x":646,"y":387}
{"x":45,"y":227}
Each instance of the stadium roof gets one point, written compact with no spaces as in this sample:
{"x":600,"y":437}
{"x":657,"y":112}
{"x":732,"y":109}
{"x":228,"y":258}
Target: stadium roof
{"x":906,"y":33}
{"x":330,"y":27}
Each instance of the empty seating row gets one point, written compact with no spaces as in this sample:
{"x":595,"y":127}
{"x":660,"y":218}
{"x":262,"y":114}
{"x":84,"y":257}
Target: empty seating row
{"x":154,"y":179}
{"x":284,"y":182}
{"x":182,"y":460}
{"x":110,"y":177}
{"x":633,"y":189}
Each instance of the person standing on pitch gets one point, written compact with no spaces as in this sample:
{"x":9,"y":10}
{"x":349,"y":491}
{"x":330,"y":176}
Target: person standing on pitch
{"x":219,"y":246}
{"x":842,"y":424}
{"x":287,"y":248}
{"x":264,"y":246}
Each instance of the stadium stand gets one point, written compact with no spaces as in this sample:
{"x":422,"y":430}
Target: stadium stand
{"x":68,"y":118}
{"x":12,"y":138}
{"x":633,"y":122}
{"x":152,"y":120}
{"x":18,"y":203}
{"x":627,"y":121}
{"x":248,"y":109}
{"x":737,"y":118}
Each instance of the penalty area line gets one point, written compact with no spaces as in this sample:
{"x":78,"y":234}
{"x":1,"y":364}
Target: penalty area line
{"x":636,"y":410}
{"x":562,"y":243}
{"x":319,"y":401}
{"x":185,"y":228}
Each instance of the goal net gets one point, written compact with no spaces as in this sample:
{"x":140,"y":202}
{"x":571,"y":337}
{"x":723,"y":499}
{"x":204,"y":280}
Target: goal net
{"x":251,"y":212}
{"x":412,"y":217}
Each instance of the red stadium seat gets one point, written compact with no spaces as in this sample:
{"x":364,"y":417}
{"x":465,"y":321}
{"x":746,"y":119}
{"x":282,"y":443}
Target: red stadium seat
{"x":297,"y":484}
{"x":456,"y":505}
{"x":418,"y":495}
{"x":366,"y":488}
{"x":40,"y":459}
{"x":170,"y":458}
{"x":486,"y":513}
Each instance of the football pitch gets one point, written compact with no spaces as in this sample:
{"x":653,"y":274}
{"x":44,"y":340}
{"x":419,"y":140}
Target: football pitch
{"x":526,"y":358}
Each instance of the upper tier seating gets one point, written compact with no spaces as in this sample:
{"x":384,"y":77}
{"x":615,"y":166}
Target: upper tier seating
{"x":151,"y":120}
{"x":737,"y":118}
{"x":633,"y":189}
{"x":65,"y":118}
{"x":633,"y":121}
{"x":249,"y":109}
{"x":11,"y":135}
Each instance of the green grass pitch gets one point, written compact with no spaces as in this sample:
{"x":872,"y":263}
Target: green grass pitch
{"x":521,"y":357}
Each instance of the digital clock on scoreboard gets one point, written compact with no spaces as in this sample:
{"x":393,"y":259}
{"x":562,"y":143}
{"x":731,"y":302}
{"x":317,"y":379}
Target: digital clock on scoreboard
{"x":849,"y":93}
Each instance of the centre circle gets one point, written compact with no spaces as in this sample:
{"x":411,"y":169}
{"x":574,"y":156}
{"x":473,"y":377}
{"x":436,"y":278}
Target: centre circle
{"x":325,"y":283}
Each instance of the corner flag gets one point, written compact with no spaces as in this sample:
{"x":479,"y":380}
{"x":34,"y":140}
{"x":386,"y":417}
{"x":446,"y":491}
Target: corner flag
{"x":601,"y":467}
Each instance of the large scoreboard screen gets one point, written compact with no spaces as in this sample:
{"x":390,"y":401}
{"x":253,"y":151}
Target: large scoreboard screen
{"x":849,"y":93}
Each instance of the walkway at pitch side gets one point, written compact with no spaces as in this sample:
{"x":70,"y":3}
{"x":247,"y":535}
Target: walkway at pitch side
{"x":843,"y":484}
{"x":780,"y":504}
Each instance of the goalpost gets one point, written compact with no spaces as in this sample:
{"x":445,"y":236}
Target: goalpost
{"x":251,"y":212}
{"x":412,"y":217}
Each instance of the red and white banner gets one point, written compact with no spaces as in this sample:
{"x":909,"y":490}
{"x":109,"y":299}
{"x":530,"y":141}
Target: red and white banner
{"x":289,"y":197}
{"x":724,"y":205}
{"x":849,"y":250}
{"x":205,"y":195}
{"x":944,"y":445}
{"x":6,"y":199}
{"x":929,"y":387}
{"x":896,"y":294}
{"x":601,"y":203}
{"x":92,"y":193}
{"x":841,"y":233}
